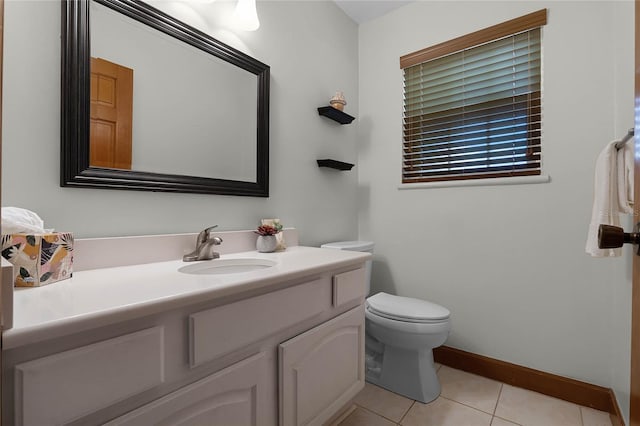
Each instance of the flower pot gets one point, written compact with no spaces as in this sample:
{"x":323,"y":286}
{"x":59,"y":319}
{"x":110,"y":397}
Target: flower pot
{"x":266,"y":243}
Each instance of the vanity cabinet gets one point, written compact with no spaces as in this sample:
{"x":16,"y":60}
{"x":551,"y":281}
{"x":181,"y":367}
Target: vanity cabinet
{"x":291,"y":353}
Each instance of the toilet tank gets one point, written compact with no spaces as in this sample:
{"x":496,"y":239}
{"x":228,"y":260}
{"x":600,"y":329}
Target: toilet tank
{"x":355,"y":246}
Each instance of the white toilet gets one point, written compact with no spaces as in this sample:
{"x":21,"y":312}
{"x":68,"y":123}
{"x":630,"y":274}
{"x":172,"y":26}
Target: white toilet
{"x":401,"y":333}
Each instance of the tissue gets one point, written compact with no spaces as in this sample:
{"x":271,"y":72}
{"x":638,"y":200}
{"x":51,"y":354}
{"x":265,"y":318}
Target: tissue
{"x":16,"y":221}
{"x":39,"y":256}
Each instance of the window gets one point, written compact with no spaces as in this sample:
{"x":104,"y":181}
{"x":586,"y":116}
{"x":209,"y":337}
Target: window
{"x":472,"y":106}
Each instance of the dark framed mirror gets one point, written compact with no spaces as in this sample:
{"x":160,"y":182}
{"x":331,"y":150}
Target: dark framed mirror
{"x":232,"y":129}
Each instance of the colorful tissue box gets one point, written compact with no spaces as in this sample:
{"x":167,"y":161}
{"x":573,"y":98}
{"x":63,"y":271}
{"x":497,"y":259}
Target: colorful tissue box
{"x":39,"y":259}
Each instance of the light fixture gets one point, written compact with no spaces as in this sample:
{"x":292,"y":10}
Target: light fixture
{"x":245,"y":17}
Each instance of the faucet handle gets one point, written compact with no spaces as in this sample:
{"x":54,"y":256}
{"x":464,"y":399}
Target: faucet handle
{"x":210,"y":228}
{"x":204,"y":234}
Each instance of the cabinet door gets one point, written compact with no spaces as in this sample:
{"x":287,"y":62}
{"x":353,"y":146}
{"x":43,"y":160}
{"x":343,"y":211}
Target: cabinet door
{"x":322,"y":369}
{"x":235,"y":396}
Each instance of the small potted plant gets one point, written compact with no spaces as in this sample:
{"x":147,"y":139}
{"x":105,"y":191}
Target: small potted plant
{"x":266,"y":242}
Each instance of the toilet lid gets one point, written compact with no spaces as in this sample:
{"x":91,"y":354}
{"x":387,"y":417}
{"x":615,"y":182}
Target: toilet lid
{"x":406,"y":308}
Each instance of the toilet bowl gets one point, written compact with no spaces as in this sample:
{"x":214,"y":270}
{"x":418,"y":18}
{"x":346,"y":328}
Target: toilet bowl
{"x":401,"y":333}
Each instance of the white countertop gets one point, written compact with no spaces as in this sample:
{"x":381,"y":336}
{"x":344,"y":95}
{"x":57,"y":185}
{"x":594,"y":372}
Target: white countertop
{"x":99,"y":297}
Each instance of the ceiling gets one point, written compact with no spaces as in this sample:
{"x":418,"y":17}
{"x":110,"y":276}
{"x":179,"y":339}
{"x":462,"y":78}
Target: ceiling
{"x":365,"y":10}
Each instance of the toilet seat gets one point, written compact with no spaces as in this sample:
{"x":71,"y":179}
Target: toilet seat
{"x":406,"y":309}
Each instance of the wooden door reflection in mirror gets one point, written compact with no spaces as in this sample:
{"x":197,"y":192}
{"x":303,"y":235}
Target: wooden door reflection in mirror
{"x":111,"y":115}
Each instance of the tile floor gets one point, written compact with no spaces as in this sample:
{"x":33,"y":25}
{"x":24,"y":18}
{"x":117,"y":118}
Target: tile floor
{"x":470,"y":400}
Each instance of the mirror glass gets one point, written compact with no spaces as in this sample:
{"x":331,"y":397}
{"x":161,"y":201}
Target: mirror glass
{"x":151,"y":103}
{"x":183,"y":121}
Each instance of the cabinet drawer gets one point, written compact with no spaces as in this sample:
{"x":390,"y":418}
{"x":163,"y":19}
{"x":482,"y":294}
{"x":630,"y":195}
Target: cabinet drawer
{"x":237,"y":396}
{"x":60,"y":388}
{"x":218,"y":331}
{"x":349,"y":286}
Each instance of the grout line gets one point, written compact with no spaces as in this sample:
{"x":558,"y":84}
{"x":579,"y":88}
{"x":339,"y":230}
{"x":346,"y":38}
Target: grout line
{"x":406,"y":412}
{"x":495,"y":408}
{"x":506,"y":420}
{"x":528,"y":390}
{"x":347,"y":413}
{"x":466,"y":405}
{"x":581,"y":418}
{"x":380,"y":415}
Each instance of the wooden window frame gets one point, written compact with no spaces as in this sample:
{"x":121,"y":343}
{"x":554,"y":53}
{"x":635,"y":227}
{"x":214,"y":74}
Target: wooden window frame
{"x":533,"y":100}
{"x":514,"y":26}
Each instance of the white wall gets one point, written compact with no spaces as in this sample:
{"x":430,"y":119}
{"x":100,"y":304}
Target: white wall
{"x":508,"y":261}
{"x":306,"y":70}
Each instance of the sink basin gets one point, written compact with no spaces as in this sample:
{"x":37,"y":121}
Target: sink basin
{"x":226,"y":266}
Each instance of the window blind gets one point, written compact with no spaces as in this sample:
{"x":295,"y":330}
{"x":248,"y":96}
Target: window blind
{"x":475,"y":113}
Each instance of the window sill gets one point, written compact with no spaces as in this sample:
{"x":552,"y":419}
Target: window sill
{"x":520,"y":180}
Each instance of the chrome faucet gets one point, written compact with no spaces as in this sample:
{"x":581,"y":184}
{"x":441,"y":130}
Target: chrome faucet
{"x":204,"y":247}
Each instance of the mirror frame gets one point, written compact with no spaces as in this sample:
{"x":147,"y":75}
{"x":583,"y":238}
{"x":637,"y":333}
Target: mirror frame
{"x":75,"y":106}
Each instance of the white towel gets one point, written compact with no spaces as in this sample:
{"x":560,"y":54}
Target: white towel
{"x":613,"y":194}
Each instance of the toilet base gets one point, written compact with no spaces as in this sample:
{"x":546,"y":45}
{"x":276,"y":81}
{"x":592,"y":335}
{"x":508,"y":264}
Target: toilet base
{"x":406,"y":372}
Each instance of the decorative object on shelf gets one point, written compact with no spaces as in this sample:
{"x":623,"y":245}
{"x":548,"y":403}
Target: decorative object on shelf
{"x":334,"y":164}
{"x":280,"y":235}
{"x":266,"y":242}
{"x":338,"y":101}
{"x":335,"y":114}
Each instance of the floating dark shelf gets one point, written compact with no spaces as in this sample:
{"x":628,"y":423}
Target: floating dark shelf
{"x":335,"y":164}
{"x":335,"y":114}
